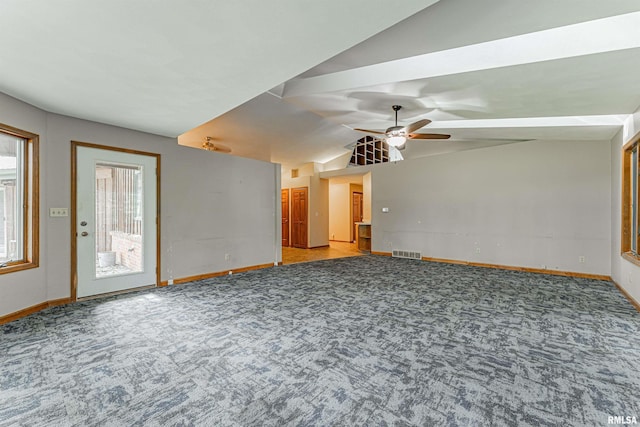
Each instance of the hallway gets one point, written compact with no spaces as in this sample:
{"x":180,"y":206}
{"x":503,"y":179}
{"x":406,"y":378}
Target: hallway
{"x":334,"y":250}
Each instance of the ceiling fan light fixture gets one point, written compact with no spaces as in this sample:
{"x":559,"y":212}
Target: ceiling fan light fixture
{"x":396,"y":140}
{"x":210,"y":146}
{"x":396,"y":135}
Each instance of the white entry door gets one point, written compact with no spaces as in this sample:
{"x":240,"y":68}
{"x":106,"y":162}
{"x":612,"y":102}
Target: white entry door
{"x":115,"y":221}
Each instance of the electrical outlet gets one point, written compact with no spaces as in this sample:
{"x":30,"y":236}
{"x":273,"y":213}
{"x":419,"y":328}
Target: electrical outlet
{"x":581,"y":259}
{"x":170,"y":281}
{"x":477,"y":250}
{"x":227,"y":257}
{"x":57,"y":212}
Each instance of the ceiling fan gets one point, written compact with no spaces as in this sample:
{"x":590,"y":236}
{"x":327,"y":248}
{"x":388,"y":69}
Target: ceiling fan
{"x":396,"y":135}
{"x":210,"y":146}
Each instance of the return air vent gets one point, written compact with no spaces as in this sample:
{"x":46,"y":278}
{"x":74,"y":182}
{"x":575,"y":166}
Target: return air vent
{"x":406,"y":254}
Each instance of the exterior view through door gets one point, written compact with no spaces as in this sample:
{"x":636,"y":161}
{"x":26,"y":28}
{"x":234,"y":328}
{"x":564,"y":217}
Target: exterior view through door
{"x":115,"y":220}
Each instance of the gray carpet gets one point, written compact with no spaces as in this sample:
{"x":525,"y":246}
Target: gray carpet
{"x":356,"y":341}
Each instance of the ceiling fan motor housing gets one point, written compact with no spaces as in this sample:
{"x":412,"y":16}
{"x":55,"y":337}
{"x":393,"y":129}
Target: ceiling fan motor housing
{"x":398,"y":135}
{"x":396,"y":131}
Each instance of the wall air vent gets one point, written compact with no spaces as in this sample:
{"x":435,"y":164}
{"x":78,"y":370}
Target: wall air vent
{"x":406,"y":254}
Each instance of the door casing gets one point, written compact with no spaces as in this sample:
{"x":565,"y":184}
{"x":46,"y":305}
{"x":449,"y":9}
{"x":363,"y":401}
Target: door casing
{"x":356,"y":212}
{"x":285,"y":217}
{"x":299,"y":218}
{"x":73,"y":212}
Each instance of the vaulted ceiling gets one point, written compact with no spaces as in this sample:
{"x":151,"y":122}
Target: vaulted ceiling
{"x":289,"y":82}
{"x":488,"y":73}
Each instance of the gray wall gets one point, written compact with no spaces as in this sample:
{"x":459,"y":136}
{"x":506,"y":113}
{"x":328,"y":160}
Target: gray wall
{"x":212,"y":204}
{"x":530,"y":204}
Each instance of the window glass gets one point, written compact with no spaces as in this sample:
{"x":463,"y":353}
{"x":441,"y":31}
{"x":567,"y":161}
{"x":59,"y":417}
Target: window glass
{"x":19,"y":207}
{"x":11,"y":197}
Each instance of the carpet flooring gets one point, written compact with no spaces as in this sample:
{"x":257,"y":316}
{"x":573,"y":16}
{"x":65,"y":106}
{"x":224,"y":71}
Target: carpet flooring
{"x":372,"y":341}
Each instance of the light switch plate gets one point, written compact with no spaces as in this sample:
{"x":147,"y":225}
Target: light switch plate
{"x":55,"y":212}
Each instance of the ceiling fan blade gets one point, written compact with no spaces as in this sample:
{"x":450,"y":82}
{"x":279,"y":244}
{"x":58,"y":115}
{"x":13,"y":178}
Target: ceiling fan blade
{"x":209,"y":145}
{"x":416,"y":125}
{"x":429,"y":136}
{"x":376,"y":132}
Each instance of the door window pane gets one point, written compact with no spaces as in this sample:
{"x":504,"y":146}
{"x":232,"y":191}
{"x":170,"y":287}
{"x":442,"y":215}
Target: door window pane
{"x":119,"y":219}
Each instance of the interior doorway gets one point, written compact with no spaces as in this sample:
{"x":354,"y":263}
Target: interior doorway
{"x":337,"y":197}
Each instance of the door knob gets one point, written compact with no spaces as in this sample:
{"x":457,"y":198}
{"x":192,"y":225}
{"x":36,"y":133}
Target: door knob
{"x":83,"y":223}
{"x":84,"y":234}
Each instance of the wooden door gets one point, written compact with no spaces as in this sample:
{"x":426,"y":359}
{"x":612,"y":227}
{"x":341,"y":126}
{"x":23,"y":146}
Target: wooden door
{"x":356,"y":211}
{"x":285,"y":217}
{"x":299,"y":213}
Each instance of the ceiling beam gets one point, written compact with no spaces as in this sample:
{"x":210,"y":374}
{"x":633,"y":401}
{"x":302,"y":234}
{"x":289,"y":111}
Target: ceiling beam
{"x":598,"y":36}
{"x":602,"y":120}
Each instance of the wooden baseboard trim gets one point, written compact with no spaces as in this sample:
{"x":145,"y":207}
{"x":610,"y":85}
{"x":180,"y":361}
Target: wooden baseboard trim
{"x":33,"y":309}
{"x":217,"y":274}
{"x":53,"y":303}
{"x":381,"y":253}
{"x":627,"y":295}
{"x":524,"y":269}
{"x":451,"y":261}
{"x":57,"y":302}
{"x":510,"y":267}
{"x":318,"y":247}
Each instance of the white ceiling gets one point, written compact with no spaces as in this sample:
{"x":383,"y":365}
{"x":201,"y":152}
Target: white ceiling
{"x":488,"y":73}
{"x":166,"y":66}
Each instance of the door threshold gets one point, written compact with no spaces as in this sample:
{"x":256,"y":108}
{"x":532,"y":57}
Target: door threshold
{"x":109,"y":294}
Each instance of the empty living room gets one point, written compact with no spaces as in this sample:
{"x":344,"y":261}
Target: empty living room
{"x":295,"y":213}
